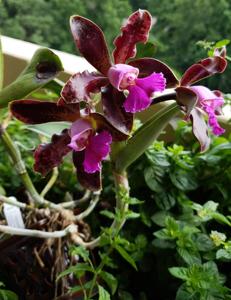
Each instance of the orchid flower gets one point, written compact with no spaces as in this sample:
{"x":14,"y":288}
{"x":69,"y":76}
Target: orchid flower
{"x":139,"y":77}
{"x":199,"y":100}
{"x":96,"y":145}
{"x":89,"y":137}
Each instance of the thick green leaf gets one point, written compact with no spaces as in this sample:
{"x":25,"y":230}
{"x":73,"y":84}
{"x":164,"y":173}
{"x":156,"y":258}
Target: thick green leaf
{"x":110,"y":280}
{"x":44,"y":66}
{"x":126,"y":256}
{"x":1,"y":66}
{"x":48,"y":129}
{"x":55,"y":86}
{"x":103,"y":294}
{"x":145,"y":136}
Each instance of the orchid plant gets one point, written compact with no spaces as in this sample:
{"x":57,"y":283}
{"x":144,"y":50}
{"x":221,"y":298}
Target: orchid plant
{"x":100,"y":131}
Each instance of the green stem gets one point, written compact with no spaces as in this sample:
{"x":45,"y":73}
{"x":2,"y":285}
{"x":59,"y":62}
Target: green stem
{"x":121,"y":183}
{"x":164,"y":97}
{"x":19,"y":166}
{"x":50,"y":183}
{"x":97,"y":272}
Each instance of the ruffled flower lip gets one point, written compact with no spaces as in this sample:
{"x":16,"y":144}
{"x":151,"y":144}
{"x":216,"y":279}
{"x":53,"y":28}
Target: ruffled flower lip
{"x":96,"y":146}
{"x":125,"y":77}
{"x":210,"y":102}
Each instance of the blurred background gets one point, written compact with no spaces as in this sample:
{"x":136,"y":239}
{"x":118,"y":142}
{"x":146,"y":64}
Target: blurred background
{"x":178,"y":25}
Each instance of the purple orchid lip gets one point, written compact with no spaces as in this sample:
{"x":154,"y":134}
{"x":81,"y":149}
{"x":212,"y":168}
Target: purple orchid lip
{"x":125,"y":77}
{"x":210,"y":102}
{"x":121,"y":76}
{"x":95,"y":145}
{"x":96,"y":151}
{"x":80,"y":132}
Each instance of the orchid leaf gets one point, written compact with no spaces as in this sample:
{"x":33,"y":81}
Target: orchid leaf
{"x":37,"y":112}
{"x":1,"y":66}
{"x":44,"y":66}
{"x":90,"y":42}
{"x":55,"y":86}
{"x":48,"y":129}
{"x":136,"y":30}
{"x":145,"y":136}
{"x":149,"y":65}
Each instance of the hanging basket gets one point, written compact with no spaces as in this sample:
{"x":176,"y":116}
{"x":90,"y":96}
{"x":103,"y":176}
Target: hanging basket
{"x":31,"y":265}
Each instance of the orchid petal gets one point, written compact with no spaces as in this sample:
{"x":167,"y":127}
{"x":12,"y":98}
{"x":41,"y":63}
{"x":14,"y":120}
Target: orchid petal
{"x":137,"y":100}
{"x":200,"y":129}
{"x":153,"y":83}
{"x":90,"y":41}
{"x":135,"y":30}
{"x":113,"y":101}
{"x":149,"y":65}
{"x":96,"y":151}
{"x":187,"y":98}
{"x":103,"y":124}
{"x":204,"y":68}
{"x":37,"y":112}
{"x":117,"y":73}
{"x":210,"y":102}
{"x":48,"y":156}
{"x":80,"y":85}
{"x":80,"y":132}
{"x":89,"y":181}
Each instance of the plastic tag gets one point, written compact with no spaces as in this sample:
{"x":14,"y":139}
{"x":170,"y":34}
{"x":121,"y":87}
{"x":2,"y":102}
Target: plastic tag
{"x":13,"y":216}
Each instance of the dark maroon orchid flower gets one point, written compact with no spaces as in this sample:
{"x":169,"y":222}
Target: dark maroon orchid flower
{"x":89,"y":137}
{"x":141,"y":78}
{"x":199,"y":100}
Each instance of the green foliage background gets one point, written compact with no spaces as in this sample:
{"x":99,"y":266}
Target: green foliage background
{"x":179,"y":25}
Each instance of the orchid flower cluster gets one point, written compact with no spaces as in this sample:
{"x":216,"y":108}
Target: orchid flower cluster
{"x":126,"y":85}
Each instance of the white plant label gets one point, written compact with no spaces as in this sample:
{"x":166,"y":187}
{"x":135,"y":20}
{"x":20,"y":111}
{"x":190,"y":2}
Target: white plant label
{"x":13,"y":216}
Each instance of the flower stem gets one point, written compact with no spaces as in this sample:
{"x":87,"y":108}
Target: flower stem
{"x":19,"y":166}
{"x":164,"y":97}
{"x":95,"y":199}
{"x":50,"y":183}
{"x":121,"y":184}
{"x":74,"y":203}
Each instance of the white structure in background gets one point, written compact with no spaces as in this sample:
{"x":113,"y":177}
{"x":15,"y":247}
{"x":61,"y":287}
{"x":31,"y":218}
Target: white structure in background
{"x":18,"y":53}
